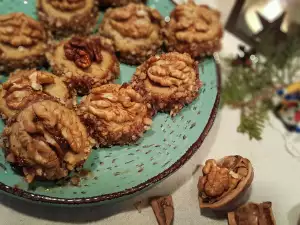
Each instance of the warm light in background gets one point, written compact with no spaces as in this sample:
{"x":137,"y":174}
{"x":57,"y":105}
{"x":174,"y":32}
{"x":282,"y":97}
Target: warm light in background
{"x":271,"y":10}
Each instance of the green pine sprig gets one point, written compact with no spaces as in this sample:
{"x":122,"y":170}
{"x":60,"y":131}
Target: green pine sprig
{"x":251,"y":89}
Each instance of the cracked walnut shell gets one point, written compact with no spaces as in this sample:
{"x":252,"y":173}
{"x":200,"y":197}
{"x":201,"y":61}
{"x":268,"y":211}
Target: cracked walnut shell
{"x":115,"y":114}
{"x":24,"y":87}
{"x":134,"y":30}
{"x":163,"y":209}
{"x":169,"y":81}
{"x":66,"y":17}
{"x":194,"y":29}
{"x":252,"y":214}
{"x":224,"y":182}
{"x":23,"y":42}
{"x":47,"y":140}
{"x":84,"y":62}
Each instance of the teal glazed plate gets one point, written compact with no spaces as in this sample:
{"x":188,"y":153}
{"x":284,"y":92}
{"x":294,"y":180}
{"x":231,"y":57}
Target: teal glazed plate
{"x":120,"y":172}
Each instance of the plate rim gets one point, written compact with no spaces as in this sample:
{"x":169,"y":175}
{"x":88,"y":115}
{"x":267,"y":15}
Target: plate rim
{"x":25,"y":195}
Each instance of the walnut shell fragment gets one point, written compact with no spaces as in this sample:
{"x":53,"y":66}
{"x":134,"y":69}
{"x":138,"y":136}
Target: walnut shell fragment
{"x":23,"y":42}
{"x":194,"y":29}
{"x":224,"y":182}
{"x":169,"y":81}
{"x":47,"y":140}
{"x":115,"y":114}
{"x":252,"y":214}
{"x":163,"y":209}
{"x":84,"y":62}
{"x":135,"y":30}
{"x":65,"y":17}
{"x":25,"y":87}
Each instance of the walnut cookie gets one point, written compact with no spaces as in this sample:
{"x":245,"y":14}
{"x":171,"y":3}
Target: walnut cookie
{"x":194,"y":29}
{"x":224,"y":182}
{"x":65,"y":17}
{"x":24,"y":87}
{"x":252,"y":214}
{"x":116,"y":3}
{"x":115,"y":114}
{"x":134,"y":30}
{"x":84,"y":62}
{"x":47,"y":140}
{"x":169,"y":81}
{"x":23,"y":42}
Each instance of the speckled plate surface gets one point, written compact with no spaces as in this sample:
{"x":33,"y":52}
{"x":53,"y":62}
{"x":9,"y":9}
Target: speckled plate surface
{"x":119,"y":172}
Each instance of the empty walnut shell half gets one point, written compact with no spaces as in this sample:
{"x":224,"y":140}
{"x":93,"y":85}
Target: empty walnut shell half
{"x":224,"y":182}
{"x":84,"y":62}
{"x":169,"y":81}
{"x":134,"y":30}
{"x":252,"y":214}
{"x":194,"y":29}
{"x":65,"y":17}
{"x":25,"y":87}
{"x":47,"y":140}
{"x":23,"y":42}
{"x":115,"y":114}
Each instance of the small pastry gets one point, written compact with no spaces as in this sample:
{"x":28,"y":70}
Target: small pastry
{"x":224,"y":182}
{"x":169,"y":81}
{"x":163,"y":209}
{"x":115,"y":114}
{"x":252,"y":214}
{"x":134,"y":30}
{"x":27,"y":86}
{"x":194,"y":29}
{"x":116,"y":3}
{"x":47,"y":140}
{"x":65,"y":17}
{"x":85,"y":62}
{"x":23,"y":42}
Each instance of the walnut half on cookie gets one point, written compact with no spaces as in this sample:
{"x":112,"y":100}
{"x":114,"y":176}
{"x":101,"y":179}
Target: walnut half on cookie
{"x":65,"y":17}
{"x":194,"y":29}
{"x":115,"y":114}
{"x":134,"y":30}
{"x":25,"y":87}
{"x":224,"y":182}
{"x":169,"y":81}
{"x":23,"y":42}
{"x":84,"y":62}
{"x":47,"y":140}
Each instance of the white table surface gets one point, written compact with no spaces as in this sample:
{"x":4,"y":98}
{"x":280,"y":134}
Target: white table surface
{"x":276,"y":177}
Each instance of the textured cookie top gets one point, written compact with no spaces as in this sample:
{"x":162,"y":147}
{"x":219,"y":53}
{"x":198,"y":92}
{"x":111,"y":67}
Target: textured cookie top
{"x":117,"y":106}
{"x":132,"y":27}
{"x":167,"y":75}
{"x":194,"y":23}
{"x":116,"y":113}
{"x":67,"y":5}
{"x":65,"y":9}
{"x":20,"y":36}
{"x":47,"y":139}
{"x":85,"y":62}
{"x":26,"y":86}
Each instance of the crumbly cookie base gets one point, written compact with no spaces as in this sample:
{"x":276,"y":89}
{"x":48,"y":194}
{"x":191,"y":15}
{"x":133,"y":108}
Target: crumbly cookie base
{"x":83,"y":24}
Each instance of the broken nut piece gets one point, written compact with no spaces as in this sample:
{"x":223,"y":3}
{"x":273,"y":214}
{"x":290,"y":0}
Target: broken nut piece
{"x":163,"y":209}
{"x":224,"y":181}
{"x":252,"y":214}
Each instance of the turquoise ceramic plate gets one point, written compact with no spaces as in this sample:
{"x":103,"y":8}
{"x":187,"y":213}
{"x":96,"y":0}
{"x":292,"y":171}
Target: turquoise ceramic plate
{"x":118,"y":172}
